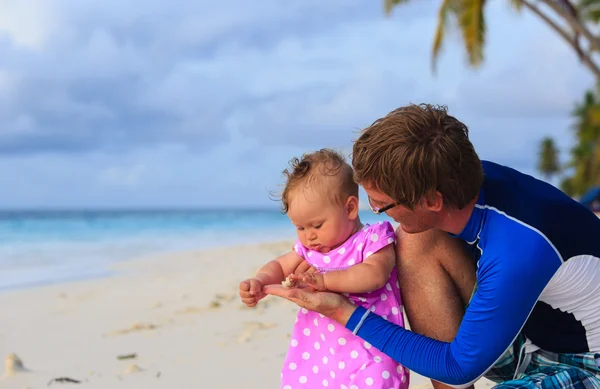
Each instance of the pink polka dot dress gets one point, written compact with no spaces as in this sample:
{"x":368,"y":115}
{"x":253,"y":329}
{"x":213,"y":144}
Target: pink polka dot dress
{"x":323,"y":353}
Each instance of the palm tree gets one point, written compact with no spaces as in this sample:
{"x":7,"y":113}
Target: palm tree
{"x":548,"y":163}
{"x":470,"y":18}
{"x":574,"y":22}
{"x":585,"y":155}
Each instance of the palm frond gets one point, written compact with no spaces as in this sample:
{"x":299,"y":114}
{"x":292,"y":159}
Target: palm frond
{"x":472,"y":25}
{"x":594,"y":116}
{"x":443,"y":15}
{"x":571,"y":12}
{"x":517,"y":4}
{"x":390,"y":4}
{"x":587,"y":3}
{"x":589,"y":10}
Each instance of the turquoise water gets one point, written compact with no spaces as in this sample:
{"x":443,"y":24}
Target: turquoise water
{"x":42,"y":247}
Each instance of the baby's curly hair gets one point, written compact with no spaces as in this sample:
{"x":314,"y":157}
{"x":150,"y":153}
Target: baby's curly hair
{"x":326,"y":170}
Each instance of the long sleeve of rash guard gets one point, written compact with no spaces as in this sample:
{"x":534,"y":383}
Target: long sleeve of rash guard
{"x":510,"y":281}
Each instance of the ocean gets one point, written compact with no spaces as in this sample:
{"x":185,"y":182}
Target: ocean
{"x":48,"y":247}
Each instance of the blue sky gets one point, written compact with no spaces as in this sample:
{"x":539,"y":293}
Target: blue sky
{"x":201,"y":104}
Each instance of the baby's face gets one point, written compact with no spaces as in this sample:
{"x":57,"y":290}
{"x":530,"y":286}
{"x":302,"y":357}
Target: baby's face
{"x":320,"y":225}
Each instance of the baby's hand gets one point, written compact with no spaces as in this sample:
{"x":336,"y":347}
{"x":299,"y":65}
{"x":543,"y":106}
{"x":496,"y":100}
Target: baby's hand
{"x":251,"y":291}
{"x":314,"y":280}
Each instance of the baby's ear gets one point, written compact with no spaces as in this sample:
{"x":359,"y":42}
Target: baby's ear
{"x":352,"y":207}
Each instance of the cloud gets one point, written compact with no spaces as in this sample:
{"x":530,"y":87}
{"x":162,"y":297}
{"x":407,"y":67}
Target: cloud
{"x":204,"y":103}
{"x":115,"y":76}
{"x":535,"y":82}
{"x":128,"y":176}
{"x":25,"y":23}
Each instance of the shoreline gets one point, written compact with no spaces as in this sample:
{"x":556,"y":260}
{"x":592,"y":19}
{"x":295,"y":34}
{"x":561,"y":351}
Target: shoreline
{"x":179,"y":313}
{"x":107,"y":267}
{"x":110,"y":268}
{"x":162,"y":321}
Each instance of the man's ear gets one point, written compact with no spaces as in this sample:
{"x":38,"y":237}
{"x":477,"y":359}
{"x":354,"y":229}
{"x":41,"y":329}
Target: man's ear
{"x":352,"y":207}
{"x":434,"y":202}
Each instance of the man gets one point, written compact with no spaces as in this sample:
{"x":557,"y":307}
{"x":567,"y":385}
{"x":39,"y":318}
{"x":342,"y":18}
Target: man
{"x":499,"y":272}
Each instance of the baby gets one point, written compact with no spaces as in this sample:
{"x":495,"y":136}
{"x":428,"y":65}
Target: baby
{"x":320,"y":198}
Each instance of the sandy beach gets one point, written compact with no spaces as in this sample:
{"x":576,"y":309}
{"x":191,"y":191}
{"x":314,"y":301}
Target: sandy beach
{"x":171,"y":321}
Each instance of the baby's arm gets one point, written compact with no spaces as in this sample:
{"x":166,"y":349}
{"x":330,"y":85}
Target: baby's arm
{"x":275,"y":271}
{"x":370,"y":275}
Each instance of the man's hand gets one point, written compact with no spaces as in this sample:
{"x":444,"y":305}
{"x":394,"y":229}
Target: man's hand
{"x":251,"y":291}
{"x":332,"y":305}
{"x":313,"y":280}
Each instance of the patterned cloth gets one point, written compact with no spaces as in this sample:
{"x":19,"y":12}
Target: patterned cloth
{"x":543,"y":369}
{"x":323,"y":353}
{"x":546,"y":370}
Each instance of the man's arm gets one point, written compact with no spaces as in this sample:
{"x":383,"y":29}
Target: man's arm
{"x":509,"y":285}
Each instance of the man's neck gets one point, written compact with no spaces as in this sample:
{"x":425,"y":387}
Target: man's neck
{"x":455,"y":220}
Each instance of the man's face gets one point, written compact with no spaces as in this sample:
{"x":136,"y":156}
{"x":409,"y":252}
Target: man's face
{"x":411,"y":221}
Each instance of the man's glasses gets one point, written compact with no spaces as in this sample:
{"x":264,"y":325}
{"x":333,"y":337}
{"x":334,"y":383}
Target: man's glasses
{"x":380,"y":210}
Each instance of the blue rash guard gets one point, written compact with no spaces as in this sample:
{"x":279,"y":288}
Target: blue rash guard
{"x":538,"y":272}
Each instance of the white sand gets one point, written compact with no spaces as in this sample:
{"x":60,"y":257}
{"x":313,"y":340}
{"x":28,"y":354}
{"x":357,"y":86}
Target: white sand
{"x":180,"y":314}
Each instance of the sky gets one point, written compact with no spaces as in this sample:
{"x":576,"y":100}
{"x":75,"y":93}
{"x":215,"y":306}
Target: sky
{"x":114,"y":104}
